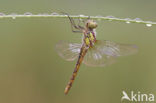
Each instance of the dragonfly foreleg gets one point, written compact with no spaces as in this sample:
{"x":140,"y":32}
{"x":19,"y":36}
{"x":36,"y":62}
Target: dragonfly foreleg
{"x":73,"y":25}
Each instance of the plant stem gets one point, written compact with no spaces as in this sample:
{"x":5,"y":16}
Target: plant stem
{"x":55,"y":15}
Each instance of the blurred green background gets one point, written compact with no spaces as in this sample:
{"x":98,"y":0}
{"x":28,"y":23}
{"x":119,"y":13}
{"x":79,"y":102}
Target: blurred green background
{"x":32,"y":72}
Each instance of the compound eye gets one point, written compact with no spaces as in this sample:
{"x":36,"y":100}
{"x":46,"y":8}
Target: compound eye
{"x":92,"y":24}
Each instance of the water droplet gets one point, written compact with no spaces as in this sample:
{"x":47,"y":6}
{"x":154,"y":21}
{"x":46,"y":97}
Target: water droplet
{"x":99,"y":17}
{"x":54,"y":13}
{"x":80,"y":19}
{"x":137,"y":20}
{"x":128,"y":22}
{"x":127,"y":19}
{"x":28,"y":13}
{"x":148,"y":25}
{"x":81,"y":15}
{"x":39,"y":14}
{"x":110,"y":16}
{"x":45,"y":14}
{"x":13,"y":15}
{"x":2,"y":14}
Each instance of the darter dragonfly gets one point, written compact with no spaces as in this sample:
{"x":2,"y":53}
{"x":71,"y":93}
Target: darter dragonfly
{"x":91,"y":52}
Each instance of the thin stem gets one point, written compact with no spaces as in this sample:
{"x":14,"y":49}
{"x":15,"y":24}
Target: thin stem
{"x":55,"y":15}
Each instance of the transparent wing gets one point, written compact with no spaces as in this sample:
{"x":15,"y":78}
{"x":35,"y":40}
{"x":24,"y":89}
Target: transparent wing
{"x":105,"y":52}
{"x":68,"y":51}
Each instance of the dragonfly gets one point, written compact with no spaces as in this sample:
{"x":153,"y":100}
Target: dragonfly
{"x":91,"y":52}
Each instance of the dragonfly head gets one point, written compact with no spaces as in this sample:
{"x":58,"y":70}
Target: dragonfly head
{"x":91,"y":24}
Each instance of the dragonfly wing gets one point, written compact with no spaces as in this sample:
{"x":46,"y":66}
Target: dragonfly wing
{"x":105,"y":52}
{"x":68,"y":51}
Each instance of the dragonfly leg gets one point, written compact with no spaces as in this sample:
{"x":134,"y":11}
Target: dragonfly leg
{"x":76,"y":31}
{"x":84,"y":21}
{"x":88,"y":18}
{"x":79,"y":21}
{"x":73,"y":25}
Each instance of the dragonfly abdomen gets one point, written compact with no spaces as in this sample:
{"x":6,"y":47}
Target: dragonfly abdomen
{"x":79,"y":61}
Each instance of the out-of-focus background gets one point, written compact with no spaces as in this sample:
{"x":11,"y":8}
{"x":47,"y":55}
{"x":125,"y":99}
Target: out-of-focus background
{"x":32,"y":72}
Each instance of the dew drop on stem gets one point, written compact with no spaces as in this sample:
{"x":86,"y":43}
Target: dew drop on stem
{"x":148,"y":25}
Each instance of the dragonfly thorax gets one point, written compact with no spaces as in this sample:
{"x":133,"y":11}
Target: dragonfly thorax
{"x":90,"y":39}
